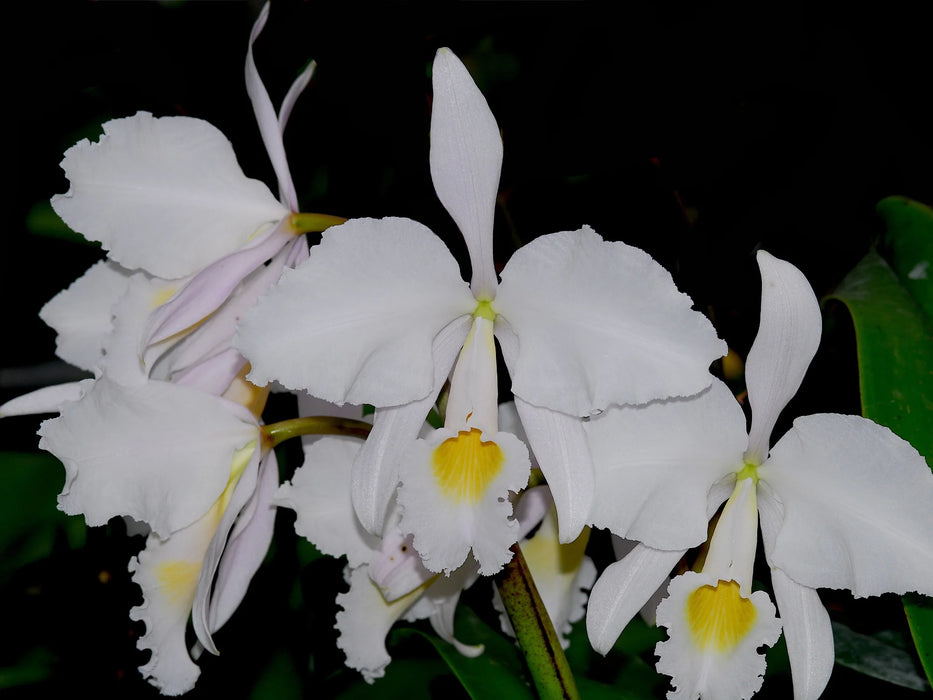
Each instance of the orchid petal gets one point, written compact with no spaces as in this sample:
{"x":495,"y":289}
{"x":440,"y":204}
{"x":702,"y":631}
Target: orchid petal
{"x":246,"y":547}
{"x":319,"y":493}
{"x":533,"y":504}
{"x":466,"y":157}
{"x":48,"y":399}
{"x":438,"y":604}
{"x":167,"y":572}
{"x":376,"y":469}
{"x":621,"y":591}
{"x":132,"y":451}
{"x":297,"y":87}
{"x":560,"y":446}
{"x":788,"y":336}
{"x":724,"y":669}
{"x":808,"y":633}
{"x":856,"y":501}
{"x":212,"y":375}
{"x":269,"y":127}
{"x":163,"y":195}
{"x":211,"y":287}
{"x":215,"y":333}
{"x":231,"y":504}
{"x":447,"y":521}
{"x":655,"y":465}
{"x":371,"y":298}
{"x":364,"y":623}
{"x":125,"y":359}
{"x":81,"y":314}
{"x":600,"y":323}
{"x":562,"y":575}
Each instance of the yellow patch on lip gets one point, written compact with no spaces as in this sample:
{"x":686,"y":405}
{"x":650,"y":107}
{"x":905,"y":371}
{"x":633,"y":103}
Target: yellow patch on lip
{"x":464,"y":466}
{"x":719,"y":617}
{"x":178,"y":579}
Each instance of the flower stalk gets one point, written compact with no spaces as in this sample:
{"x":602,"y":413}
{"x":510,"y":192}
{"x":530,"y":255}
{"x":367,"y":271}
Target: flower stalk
{"x":534,"y":631}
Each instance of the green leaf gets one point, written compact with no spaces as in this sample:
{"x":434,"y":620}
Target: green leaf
{"x":29,"y":519}
{"x":497,"y":672}
{"x":876,"y":656}
{"x":908,"y":246}
{"x":892,"y":311}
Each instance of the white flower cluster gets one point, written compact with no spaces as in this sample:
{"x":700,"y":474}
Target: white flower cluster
{"x":209,"y":293}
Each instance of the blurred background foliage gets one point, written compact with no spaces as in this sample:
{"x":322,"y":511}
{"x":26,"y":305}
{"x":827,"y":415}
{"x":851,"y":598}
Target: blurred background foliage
{"x":696,"y":131}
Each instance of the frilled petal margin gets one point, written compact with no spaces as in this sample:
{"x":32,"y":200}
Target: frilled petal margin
{"x":706,"y":656}
{"x":167,"y":572}
{"x":132,"y":451}
{"x":319,"y":493}
{"x":453,"y":503}
{"x":365,"y":621}
{"x":165,"y":195}
{"x":367,"y":305}
{"x":575,"y":300}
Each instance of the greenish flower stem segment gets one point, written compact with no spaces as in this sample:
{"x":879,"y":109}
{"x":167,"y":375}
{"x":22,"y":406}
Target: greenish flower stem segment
{"x":535,"y":633}
{"x":275,"y":433}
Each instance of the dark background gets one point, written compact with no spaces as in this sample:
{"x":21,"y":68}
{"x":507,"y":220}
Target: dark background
{"x":695,"y":131}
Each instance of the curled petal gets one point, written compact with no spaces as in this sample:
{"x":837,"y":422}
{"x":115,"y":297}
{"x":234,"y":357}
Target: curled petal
{"x":269,"y":127}
{"x":621,"y":591}
{"x":600,"y":323}
{"x":165,"y":195}
{"x":246,"y":546}
{"x":856,"y":501}
{"x":562,"y":453}
{"x":376,"y":469}
{"x":808,"y":633}
{"x":788,"y":336}
{"x":466,"y":157}
{"x":240,"y":491}
{"x":367,"y":304}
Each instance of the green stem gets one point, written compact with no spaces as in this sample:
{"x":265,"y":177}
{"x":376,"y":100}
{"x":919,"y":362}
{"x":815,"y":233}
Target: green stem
{"x":312,"y":223}
{"x":535,"y":633}
{"x":275,"y":433}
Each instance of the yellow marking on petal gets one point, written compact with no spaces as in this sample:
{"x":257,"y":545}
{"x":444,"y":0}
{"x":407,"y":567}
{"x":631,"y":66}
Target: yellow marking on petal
{"x":162,"y":296}
{"x":178,"y":579}
{"x":749,"y":471}
{"x":464,"y":465}
{"x":719,"y":617}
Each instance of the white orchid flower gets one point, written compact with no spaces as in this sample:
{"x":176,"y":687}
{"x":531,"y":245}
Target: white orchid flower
{"x":842,"y":501}
{"x":387,"y":580}
{"x":582,"y":323}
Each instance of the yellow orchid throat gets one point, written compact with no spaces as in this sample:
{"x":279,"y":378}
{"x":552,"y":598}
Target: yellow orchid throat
{"x":464,"y":466}
{"x":719,"y":617}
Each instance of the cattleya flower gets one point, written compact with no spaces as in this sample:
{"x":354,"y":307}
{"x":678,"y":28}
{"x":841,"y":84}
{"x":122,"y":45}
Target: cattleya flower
{"x":187,"y":236}
{"x":582,"y":323}
{"x":386,"y":577}
{"x":843,"y":503}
